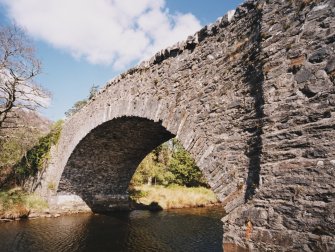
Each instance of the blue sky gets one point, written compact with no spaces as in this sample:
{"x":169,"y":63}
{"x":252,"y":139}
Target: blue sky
{"x":77,"y":51}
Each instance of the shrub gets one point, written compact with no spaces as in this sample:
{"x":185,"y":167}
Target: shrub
{"x":36,"y":158}
{"x":16,"y":203}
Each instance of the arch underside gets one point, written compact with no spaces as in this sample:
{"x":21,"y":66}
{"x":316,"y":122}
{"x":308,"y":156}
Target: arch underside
{"x":102,"y":164}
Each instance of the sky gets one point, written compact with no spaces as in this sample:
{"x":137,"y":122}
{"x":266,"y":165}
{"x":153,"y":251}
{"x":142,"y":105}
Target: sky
{"x":82,"y":43}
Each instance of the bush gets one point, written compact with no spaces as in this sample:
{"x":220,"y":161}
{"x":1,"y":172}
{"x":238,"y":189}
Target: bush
{"x":16,"y":203}
{"x":36,"y":158}
{"x":168,"y":164}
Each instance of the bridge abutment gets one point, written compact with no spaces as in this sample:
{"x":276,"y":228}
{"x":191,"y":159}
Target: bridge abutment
{"x":98,"y":203}
{"x":110,"y":203}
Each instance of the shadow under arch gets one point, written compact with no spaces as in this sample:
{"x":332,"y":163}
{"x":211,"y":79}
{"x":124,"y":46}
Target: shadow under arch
{"x":102,"y":164}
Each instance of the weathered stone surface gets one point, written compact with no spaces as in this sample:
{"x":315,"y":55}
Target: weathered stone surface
{"x":68,"y":203}
{"x":303,"y":75}
{"x":330,"y":67}
{"x":318,"y":56}
{"x":252,"y":98}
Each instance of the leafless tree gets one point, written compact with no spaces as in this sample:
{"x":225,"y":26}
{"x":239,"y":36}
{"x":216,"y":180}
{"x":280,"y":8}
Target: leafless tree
{"x":18,"y":68}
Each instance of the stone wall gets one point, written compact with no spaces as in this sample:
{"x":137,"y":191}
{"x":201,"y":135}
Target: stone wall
{"x":251,"y":98}
{"x":293,"y":205}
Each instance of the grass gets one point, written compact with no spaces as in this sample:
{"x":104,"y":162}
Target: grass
{"x":15,"y":203}
{"x":173,"y":196}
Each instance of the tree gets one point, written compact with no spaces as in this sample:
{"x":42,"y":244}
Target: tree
{"x":152,"y":171}
{"x":18,"y":68}
{"x":169,"y":163}
{"x":184,"y":168}
{"x":80,"y":104}
{"x":76,"y":107}
{"x":93,"y":91}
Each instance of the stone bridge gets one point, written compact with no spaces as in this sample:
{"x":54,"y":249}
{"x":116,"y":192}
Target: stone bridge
{"x":251,"y":97}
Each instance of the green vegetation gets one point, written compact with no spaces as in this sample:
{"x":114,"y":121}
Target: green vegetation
{"x":169,"y":178}
{"x":80,"y":104}
{"x":16,"y":203}
{"x":35,"y":159}
{"x":24,"y":153}
{"x":13,"y":148}
{"x":184,"y":168}
{"x":174,"y":196}
{"x":168,"y":164}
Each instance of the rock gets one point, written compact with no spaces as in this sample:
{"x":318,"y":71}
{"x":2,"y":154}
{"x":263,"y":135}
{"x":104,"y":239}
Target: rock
{"x":315,"y":153}
{"x":330,"y":39}
{"x":320,"y":164}
{"x":210,"y":57}
{"x":330,"y":67}
{"x":318,"y":56}
{"x":33,"y":215}
{"x":303,"y":75}
{"x":312,"y":89}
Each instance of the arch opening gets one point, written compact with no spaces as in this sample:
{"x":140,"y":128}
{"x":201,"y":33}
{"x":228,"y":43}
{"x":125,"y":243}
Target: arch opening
{"x":168,"y":177}
{"x":102,"y":164}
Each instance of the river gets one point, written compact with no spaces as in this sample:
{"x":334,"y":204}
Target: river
{"x":197,"y":229}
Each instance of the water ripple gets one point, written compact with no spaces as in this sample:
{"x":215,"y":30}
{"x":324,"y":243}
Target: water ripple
{"x":165,"y":231}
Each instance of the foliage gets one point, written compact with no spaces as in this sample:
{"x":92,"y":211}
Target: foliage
{"x":35,"y":159}
{"x":10,"y":197}
{"x":15,"y":145}
{"x":152,"y":171}
{"x":52,"y":186}
{"x":184,"y":168}
{"x":16,"y":203}
{"x":168,"y":164}
{"x":76,"y":107}
{"x":93,"y":91}
{"x":136,"y":193}
{"x":11,"y":151}
{"x":80,"y":104}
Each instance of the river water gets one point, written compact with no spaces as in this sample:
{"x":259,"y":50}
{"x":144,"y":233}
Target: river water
{"x":197,"y":229}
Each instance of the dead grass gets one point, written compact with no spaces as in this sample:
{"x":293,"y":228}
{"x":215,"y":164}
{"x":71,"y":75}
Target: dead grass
{"x":15,"y":203}
{"x":175,"y":196}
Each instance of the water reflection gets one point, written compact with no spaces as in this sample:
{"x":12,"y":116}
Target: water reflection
{"x":177,"y":230}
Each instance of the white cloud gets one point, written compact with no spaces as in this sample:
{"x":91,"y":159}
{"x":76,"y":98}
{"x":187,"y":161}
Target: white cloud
{"x":116,"y":32}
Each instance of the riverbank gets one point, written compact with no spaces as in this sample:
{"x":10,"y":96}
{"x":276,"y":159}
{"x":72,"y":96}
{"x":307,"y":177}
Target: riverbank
{"x":171,"y":197}
{"x":16,"y":204}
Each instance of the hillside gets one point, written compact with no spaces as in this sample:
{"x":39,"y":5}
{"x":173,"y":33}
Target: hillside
{"x":29,"y":120}
{"x":16,"y":141}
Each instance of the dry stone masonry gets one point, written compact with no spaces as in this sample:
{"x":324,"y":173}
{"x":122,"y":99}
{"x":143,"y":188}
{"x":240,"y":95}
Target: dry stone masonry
{"x":252,"y":98}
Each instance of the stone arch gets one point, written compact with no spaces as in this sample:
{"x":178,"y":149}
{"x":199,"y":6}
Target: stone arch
{"x":90,"y":160}
{"x":102,"y":164}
